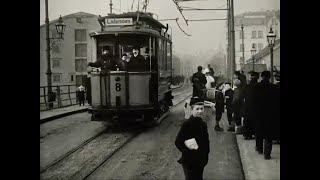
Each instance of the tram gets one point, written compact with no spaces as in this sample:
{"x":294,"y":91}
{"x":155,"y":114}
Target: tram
{"x":138,"y":95}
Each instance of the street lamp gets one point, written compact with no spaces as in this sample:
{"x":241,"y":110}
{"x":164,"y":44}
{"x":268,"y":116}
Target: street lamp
{"x":271,"y":40}
{"x":253,"y":52}
{"x":242,"y":46}
{"x":60,"y":28}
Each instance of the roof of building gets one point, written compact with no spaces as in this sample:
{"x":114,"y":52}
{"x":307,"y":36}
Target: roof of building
{"x":257,"y":18}
{"x":263,"y":52}
{"x":69,"y":16}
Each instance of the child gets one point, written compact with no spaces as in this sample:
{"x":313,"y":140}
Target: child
{"x":194,"y":156}
{"x":219,"y":105}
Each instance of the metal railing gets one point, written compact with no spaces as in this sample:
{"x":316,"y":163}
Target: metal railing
{"x":65,"y":95}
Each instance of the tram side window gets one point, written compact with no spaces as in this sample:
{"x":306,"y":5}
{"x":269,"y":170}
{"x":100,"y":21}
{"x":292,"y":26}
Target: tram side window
{"x":165,"y":55}
{"x":160,"y":55}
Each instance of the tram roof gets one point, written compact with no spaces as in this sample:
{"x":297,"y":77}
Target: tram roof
{"x":131,"y":30}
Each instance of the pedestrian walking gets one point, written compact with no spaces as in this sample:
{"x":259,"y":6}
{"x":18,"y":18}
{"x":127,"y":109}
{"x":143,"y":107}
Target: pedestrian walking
{"x":219,"y":106}
{"x":228,"y":94}
{"x":199,"y":81}
{"x":237,"y":107}
{"x":193,"y":142}
{"x":250,"y":104}
{"x":266,"y":122}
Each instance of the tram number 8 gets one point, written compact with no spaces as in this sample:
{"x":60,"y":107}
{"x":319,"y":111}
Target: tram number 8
{"x":118,"y":87}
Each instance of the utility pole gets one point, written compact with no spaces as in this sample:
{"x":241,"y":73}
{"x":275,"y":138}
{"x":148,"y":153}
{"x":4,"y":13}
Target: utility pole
{"x":233,"y":39}
{"x":243,"y":60}
{"x":229,"y":43}
{"x":49,"y":73}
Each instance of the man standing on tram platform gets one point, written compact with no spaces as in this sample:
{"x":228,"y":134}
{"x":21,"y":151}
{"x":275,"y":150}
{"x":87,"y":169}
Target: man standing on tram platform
{"x":137,"y":61}
{"x":105,"y":62}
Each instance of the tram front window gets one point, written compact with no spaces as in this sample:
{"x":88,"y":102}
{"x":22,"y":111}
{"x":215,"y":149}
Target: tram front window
{"x":135,"y":46}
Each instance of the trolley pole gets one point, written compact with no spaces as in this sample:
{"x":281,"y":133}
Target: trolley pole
{"x":229,"y":67}
{"x":110,"y":6}
{"x":49,"y":73}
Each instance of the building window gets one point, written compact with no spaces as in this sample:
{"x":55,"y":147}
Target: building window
{"x":260,"y":34}
{"x":80,"y":35}
{"x":71,"y":77}
{"x":79,"y":20}
{"x":56,"y":63}
{"x":241,"y":47}
{"x":56,"y":78}
{"x":254,"y":35}
{"x":241,"y":35}
{"x":260,"y":46}
{"x":81,"y":65}
{"x":56,"y":49}
{"x":81,"y":50}
{"x":81,"y":80}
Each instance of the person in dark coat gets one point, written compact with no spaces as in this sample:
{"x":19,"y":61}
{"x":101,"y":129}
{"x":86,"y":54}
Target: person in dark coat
{"x":194,"y":159}
{"x":80,"y":94}
{"x":137,"y":62}
{"x":106,"y":62}
{"x":122,"y":63}
{"x":277,"y":108}
{"x":199,"y":81}
{"x":228,"y":94}
{"x":219,"y":106}
{"x":250,"y":105}
{"x":266,"y":119}
{"x":237,"y":107}
{"x":241,"y":77}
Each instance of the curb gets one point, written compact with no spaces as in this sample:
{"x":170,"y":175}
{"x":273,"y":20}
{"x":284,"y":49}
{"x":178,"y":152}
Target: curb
{"x":44,"y":120}
{"x":241,"y":161}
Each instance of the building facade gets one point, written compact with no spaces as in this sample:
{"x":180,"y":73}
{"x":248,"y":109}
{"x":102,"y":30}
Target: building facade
{"x":70,"y":56}
{"x":256,"y":26}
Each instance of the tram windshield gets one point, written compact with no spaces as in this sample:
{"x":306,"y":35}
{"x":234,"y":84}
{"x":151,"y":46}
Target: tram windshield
{"x":120,"y":44}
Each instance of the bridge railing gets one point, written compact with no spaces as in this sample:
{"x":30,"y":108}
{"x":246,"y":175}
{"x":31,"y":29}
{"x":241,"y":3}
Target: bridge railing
{"x":65,"y":95}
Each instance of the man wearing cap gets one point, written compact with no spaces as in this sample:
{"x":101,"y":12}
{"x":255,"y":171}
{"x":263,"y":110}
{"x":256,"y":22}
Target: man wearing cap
{"x":105,"y":62}
{"x":195,"y":155}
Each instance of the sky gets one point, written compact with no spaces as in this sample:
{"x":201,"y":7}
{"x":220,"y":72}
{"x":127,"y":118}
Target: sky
{"x":206,"y":36}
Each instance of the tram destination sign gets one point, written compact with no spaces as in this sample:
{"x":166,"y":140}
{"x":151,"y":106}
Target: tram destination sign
{"x":119,"y":21}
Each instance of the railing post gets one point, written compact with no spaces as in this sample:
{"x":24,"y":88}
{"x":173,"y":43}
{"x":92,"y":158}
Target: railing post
{"x":69,"y":95}
{"x":44,"y":97}
{"x":58,"y":96}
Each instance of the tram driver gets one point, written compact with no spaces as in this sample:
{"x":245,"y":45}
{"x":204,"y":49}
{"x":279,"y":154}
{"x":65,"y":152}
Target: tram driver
{"x":105,"y":62}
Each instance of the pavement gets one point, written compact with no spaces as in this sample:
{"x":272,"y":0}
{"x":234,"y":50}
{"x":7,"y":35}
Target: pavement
{"x":254,"y":165}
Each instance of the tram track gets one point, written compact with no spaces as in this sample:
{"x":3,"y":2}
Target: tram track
{"x":83,"y":175}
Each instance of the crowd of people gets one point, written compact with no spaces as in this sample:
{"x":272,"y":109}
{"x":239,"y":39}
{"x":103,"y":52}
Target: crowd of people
{"x":253,"y":110}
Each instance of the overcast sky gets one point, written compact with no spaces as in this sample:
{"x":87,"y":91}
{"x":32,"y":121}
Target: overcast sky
{"x":206,"y":36}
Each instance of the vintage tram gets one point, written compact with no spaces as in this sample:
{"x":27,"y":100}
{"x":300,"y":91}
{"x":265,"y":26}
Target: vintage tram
{"x":136,"y":95}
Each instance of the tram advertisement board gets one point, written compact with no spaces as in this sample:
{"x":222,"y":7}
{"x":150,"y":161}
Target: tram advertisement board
{"x":119,"y":21}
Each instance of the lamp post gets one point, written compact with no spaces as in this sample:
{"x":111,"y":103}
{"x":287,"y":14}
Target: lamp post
{"x":253,"y":52}
{"x":271,"y":40}
{"x":242,"y":46}
{"x":60,"y":27}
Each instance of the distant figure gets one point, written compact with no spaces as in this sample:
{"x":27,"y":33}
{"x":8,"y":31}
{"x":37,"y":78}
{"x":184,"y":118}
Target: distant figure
{"x":210,"y":81}
{"x":199,"y":81}
{"x":137,"y":61}
{"x":211,"y":72}
{"x":193,"y":142}
{"x":80,"y":94}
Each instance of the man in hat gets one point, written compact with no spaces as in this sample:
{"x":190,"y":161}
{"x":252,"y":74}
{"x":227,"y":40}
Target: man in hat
{"x":80,"y":92}
{"x":105,"y":62}
{"x":195,"y":155}
{"x":137,"y":61}
{"x":199,"y":81}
